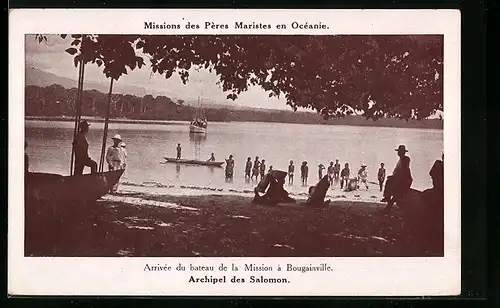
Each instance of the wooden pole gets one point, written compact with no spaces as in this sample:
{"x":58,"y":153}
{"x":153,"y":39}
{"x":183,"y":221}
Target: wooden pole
{"x":106,"y":123}
{"x":77,"y":111}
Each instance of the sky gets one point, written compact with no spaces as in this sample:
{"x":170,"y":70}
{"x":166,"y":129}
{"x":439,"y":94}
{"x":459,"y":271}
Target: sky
{"x":51,"y":57}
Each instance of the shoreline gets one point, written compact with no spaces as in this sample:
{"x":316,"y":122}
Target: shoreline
{"x":176,"y":122}
{"x":141,"y":225}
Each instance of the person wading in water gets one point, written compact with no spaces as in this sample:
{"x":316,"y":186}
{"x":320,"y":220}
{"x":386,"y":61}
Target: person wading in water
{"x":262,"y":169}
{"x":381,"y":176}
{"x":81,"y":149}
{"x":344,"y":176}
{"x":291,"y":170}
{"x":248,"y":168}
{"x":255,"y":170}
{"x":179,"y":150}
{"x":229,"y":168}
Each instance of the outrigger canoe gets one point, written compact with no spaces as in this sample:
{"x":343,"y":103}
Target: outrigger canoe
{"x":194,"y":162}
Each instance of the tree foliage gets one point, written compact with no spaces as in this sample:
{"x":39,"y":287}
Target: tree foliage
{"x":377,"y":75}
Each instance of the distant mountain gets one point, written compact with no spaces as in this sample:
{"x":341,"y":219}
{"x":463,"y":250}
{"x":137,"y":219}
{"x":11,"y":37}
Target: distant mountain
{"x":40,"y":78}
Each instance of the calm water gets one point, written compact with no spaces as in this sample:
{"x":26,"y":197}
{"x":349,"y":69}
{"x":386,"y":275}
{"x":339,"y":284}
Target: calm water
{"x":147,"y":144}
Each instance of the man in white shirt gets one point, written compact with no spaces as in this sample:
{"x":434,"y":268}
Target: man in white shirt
{"x":114,"y":157}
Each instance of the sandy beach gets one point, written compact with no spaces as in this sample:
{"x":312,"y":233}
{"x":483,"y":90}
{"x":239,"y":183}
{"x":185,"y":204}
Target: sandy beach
{"x":146,"y":225}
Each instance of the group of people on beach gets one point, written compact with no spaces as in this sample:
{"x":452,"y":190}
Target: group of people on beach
{"x":397,"y":185}
{"x":256,"y":170}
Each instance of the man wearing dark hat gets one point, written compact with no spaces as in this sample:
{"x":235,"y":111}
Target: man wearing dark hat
{"x":399,"y":183}
{"x":81,"y":149}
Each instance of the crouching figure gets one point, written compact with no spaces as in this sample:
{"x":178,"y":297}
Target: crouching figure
{"x":317,"y":193}
{"x":273,"y":181}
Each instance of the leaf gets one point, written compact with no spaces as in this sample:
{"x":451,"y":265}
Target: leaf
{"x":75,"y":43}
{"x":76,"y":36}
{"x":99,"y":62}
{"x":77,"y":60}
{"x":71,"y":51}
{"x":63,"y":36}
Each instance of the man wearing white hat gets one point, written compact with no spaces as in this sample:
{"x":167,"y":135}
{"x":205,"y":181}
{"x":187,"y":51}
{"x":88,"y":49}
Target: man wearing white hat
{"x":363,"y":175}
{"x":114,"y":157}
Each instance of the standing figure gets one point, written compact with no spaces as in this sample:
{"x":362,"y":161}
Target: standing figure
{"x":123,"y":148}
{"x":262,"y":170}
{"x":344,"y":176}
{"x":304,"y":172}
{"x":179,"y":150}
{"x":381,"y":176}
{"x":114,"y":157}
{"x":363,"y":176}
{"x":336,"y":169}
{"x":81,"y":149}
{"x":255,"y":169}
{"x":398,"y":184}
{"x":321,"y":167}
{"x":330,"y":173}
{"x":248,"y":168}
{"x":229,"y":167}
{"x":26,"y":159}
{"x":270,"y":169}
{"x":291,"y":170}
{"x":124,"y":152}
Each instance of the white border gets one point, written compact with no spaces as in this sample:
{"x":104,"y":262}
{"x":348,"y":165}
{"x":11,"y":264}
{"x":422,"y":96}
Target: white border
{"x":124,"y":276}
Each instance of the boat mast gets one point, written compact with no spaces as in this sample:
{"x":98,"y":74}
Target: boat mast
{"x":106,"y":124}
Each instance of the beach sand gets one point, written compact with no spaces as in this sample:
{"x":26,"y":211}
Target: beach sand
{"x":142,"y":225}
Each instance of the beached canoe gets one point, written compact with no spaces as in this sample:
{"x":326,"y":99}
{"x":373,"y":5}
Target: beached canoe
{"x":55,"y":189}
{"x":194,"y":162}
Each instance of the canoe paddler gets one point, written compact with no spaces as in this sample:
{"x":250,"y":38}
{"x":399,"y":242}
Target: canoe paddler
{"x":81,"y":149}
{"x":212,"y":158}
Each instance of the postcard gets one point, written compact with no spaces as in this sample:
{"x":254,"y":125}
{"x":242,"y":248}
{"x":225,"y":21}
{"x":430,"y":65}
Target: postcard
{"x":234,"y":152}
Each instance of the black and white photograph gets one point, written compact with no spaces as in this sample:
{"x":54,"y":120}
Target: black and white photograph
{"x":224,"y":145}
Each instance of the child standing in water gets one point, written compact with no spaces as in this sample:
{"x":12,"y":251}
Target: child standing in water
{"x":248,"y":168}
{"x":336,"y":169}
{"x":255,"y":170}
{"x":344,"y":176}
{"x":262,"y":169}
{"x":291,"y":170}
{"x":381,"y":176}
{"x":304,"y":170}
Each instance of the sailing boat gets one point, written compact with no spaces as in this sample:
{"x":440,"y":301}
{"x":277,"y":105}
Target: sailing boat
{"x":51,"y":193}
{"x":199,"y":122}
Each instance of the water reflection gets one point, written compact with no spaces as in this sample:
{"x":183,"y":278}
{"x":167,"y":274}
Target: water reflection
{"x":177,"y":170}
{"x":197,"y":139}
